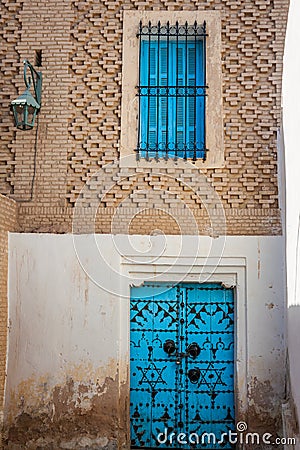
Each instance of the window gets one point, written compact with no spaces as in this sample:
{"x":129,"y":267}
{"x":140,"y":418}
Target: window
{"x":171,"y":109}
{"x":172,"y":91}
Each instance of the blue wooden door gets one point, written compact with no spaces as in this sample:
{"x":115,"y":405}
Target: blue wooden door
{"x":181,"y":366}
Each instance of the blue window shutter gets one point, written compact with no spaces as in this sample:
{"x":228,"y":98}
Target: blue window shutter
{"x":163,"y":78}
{"x":200,"y":100}
{"x":169,"y":120}
{"x":144,"y":63}
{"x":144,"y":58}
{"x":153,"y":72}
{"x":191,"y":120}
{"x":148,"y":106}
{"x":181,"y":74}
{"x":194,"y":122}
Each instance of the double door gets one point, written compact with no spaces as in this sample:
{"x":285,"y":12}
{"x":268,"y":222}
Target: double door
{"x":181,"y":366}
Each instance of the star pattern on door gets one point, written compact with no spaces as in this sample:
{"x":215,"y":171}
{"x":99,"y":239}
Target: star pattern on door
{"x":151,"y":375}
{"x":211,"y":376}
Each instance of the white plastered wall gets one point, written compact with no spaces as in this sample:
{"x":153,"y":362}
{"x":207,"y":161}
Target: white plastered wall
{"x":69,"y":308}
{"x":291,"y":114}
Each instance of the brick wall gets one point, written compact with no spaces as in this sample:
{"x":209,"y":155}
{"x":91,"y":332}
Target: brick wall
{"x":8,"y":222}
{"x":80,"y":121}
{"x":10,"y":30}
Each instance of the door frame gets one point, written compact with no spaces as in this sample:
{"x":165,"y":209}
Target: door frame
{"x":229,"y":271}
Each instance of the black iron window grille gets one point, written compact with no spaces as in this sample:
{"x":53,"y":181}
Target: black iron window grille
{"x":172,"y":90}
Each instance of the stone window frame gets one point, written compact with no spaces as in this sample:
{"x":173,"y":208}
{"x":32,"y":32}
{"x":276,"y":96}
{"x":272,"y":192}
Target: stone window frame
{"x":130,"y":101}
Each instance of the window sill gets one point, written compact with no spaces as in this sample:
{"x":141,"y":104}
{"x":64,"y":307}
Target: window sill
{"x":130,"y":161}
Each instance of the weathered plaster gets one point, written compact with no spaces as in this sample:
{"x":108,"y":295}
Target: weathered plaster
{"x":70,"y":414}
{"x":68,"y":357}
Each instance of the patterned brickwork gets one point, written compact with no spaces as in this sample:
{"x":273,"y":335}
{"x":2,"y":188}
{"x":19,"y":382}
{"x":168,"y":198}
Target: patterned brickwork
{"x":252,"y":51}
{"x":10,"y":31}
{"x":125,"y":221}
{"x":41,"y":153}
{"x":8,"y":222}
{"x":80,"y":121}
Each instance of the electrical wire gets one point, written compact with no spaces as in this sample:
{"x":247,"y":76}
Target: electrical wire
{"x":34,"y":167}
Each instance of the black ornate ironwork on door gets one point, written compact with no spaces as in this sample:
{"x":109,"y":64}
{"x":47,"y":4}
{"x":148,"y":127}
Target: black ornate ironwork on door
{"x":182,"y":366}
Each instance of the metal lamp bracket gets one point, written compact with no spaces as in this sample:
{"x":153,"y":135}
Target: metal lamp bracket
{"x":36,"y":78}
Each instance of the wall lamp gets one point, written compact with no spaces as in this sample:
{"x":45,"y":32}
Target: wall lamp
{"x":26,"y":107}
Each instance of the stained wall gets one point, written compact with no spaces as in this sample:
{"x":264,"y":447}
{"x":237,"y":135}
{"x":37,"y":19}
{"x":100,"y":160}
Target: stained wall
{"x":68,"y":359}
{"x":8,"y":222}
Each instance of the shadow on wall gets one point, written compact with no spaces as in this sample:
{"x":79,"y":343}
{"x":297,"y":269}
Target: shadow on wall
{"x":293,"y":324}
{"x":291,"y":408}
